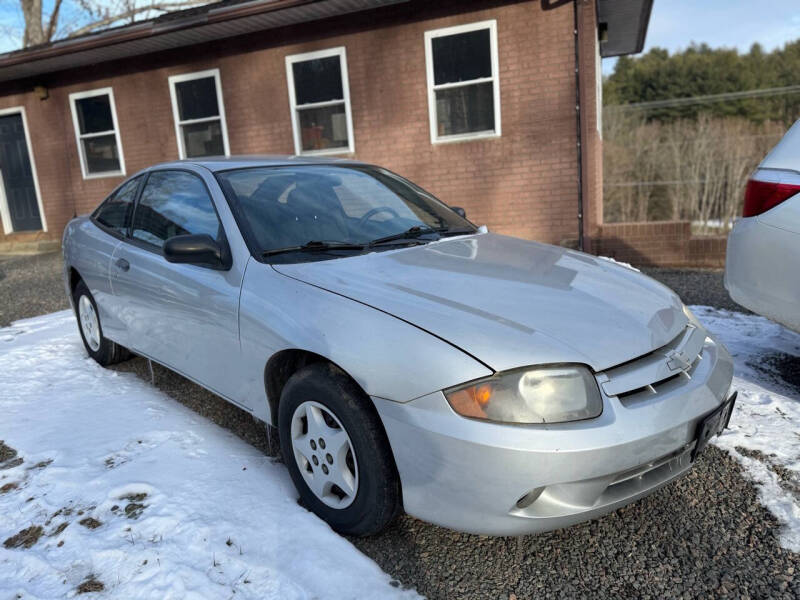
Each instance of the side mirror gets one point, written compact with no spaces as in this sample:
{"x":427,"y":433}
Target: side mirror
{"x":459,"y":211}
{"x":200,"y":250}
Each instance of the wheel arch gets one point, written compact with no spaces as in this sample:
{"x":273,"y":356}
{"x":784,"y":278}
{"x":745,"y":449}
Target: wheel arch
{"x":74,"y":278}
{"x":280,"y":367}
{"x":283,"y":364}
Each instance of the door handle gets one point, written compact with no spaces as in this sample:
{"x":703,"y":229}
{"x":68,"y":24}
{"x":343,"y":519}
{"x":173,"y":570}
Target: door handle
{"x":122,"y":264}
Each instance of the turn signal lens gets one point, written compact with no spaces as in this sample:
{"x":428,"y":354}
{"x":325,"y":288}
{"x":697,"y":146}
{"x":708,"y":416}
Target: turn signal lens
{"x":553,"y":394}
{"x":471,"y":400}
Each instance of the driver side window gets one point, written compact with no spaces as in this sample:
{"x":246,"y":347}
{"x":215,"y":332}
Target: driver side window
{"x":174,"y":203}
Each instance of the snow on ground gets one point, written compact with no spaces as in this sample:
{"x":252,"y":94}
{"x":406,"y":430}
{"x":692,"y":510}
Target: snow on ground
{"x":179,"y":507}
{"x":140,"y":494}
{"x":764,"y":434}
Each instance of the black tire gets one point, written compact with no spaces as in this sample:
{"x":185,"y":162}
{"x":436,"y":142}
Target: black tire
{"x":378,"y":496}
{"x":108,"y":352}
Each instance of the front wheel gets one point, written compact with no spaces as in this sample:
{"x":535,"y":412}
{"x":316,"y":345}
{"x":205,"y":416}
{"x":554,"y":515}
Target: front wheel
{"x":100,"y":348}
{"x":336,"y":451}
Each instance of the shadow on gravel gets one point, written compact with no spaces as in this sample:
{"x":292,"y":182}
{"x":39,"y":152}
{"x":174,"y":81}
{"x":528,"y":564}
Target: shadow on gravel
{"x":783,"y":369}
{"x":704,"y":535}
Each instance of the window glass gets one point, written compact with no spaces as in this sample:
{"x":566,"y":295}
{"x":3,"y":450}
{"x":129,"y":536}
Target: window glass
{"x":465,"y":109}
{"x":462,"y":82}
{"x":203,"y":139}
{"x":324,"y":127}
{"x":461,"y":57}
{"x":290,"y":206}
{"x":320,"y":106}
{"x":198,"y":114}
{"x":98,"y":137}
{"x":101,"y":153}
{"x":115,"y":213}
{"x":318,"y":80}
{"x":197,"y":98}
{"x":94,"y":114}
{"x":174,"y":203}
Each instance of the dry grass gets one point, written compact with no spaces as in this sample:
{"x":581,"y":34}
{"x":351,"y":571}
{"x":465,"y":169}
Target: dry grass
{"x":25,"y":538}
{"x":8,"y":487}
{"x":6,"y":452}
{"x":90,"y":584}
{"x":90,"y":523}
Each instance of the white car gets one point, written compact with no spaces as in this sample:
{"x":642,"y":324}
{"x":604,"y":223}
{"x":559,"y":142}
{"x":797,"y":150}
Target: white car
{"x":763,"y":258}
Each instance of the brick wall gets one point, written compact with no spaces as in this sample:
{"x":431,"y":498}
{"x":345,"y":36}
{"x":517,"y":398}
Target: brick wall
{"x":663,"y":244}
{"x":522,"y":183}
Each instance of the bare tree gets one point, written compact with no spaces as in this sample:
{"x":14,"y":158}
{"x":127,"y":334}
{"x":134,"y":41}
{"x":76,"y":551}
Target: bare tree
{"x":69,"y":18}
{"x":692,"y":170}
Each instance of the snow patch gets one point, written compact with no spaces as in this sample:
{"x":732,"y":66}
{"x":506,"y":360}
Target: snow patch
{"x":186,"y":510}
{"x":764,"y":433}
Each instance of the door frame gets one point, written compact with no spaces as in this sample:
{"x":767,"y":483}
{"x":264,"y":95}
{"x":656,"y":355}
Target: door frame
{"x":5,"y":213}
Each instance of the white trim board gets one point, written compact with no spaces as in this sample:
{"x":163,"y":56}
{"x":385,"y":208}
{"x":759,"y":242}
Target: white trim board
{"x":106,"y":91}
{"x":293,"y":107}
{"x":5,"y":213}
{"x":491,"y":25}
{"x":172,"y":80}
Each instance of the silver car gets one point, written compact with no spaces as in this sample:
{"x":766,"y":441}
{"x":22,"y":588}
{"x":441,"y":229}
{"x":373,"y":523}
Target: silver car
{"x":764,"y":247}
{"x":409,"y":360}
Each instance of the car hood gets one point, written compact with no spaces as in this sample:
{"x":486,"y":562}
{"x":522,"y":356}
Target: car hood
{"x":509,"y":302}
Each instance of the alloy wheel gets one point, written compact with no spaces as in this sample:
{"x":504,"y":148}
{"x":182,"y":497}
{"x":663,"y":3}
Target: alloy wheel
{"x":89,"y":323}
{"x":324,"y":454}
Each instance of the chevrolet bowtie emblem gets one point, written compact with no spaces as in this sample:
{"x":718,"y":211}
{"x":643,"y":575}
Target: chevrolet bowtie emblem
{"x":678,"y":361}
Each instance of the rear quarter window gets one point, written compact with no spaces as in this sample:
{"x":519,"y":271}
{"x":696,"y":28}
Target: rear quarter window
{"x":116,"y":212}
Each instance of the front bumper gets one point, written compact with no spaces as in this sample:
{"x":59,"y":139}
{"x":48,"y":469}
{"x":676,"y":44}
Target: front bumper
{"x":496,"y":479}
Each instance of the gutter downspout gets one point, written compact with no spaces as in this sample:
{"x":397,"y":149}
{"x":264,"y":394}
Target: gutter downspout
{"x":578,"y":122}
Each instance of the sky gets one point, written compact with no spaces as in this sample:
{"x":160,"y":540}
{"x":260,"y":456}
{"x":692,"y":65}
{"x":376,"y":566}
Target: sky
{"x":674,"y":24}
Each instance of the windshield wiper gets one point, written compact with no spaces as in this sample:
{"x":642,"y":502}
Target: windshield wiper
{"x":409,"y":234}
{"x":463,"y":231}
{"x":314,"y":245}
{"x":418,"y":230}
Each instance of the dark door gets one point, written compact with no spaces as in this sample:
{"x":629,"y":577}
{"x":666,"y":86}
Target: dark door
{"x":15,"y":168}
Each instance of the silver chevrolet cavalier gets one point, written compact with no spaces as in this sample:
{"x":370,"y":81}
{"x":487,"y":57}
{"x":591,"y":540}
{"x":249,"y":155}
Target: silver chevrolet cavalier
{"x":409,"y":360}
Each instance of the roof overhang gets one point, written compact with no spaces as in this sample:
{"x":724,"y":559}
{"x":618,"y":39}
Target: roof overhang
{"x":174,"y":30}
{"x":625,"y":24}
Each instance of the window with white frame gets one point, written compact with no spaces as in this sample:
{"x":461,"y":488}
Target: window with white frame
{"x":319,"y":97}
{"x":463,"y":86}
{"x":97,"y":133}
{"x":199,"y":114}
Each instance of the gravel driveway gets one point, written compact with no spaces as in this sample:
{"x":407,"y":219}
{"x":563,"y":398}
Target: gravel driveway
{"x":30,"y":286}
{"x":704,"y":535}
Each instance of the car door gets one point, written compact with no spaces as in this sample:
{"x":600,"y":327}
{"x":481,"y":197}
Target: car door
{"x":184,"y":316}
{"x":90,"y":248}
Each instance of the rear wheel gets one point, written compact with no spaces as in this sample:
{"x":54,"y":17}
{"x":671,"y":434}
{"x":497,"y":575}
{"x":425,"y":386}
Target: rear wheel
{"x":336,"y":450}
{"x":100,"y":348}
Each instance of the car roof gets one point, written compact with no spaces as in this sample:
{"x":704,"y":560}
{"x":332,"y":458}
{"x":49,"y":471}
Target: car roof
{"x":224,"y":163}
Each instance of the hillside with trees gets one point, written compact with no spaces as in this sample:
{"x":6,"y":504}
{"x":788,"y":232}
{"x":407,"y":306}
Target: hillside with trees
{"x":683,"y":131}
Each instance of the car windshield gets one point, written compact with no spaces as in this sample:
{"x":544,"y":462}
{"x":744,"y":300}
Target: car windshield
{"x":316,"y":212}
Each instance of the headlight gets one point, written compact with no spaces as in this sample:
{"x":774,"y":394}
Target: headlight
{"x":551,"y":394}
